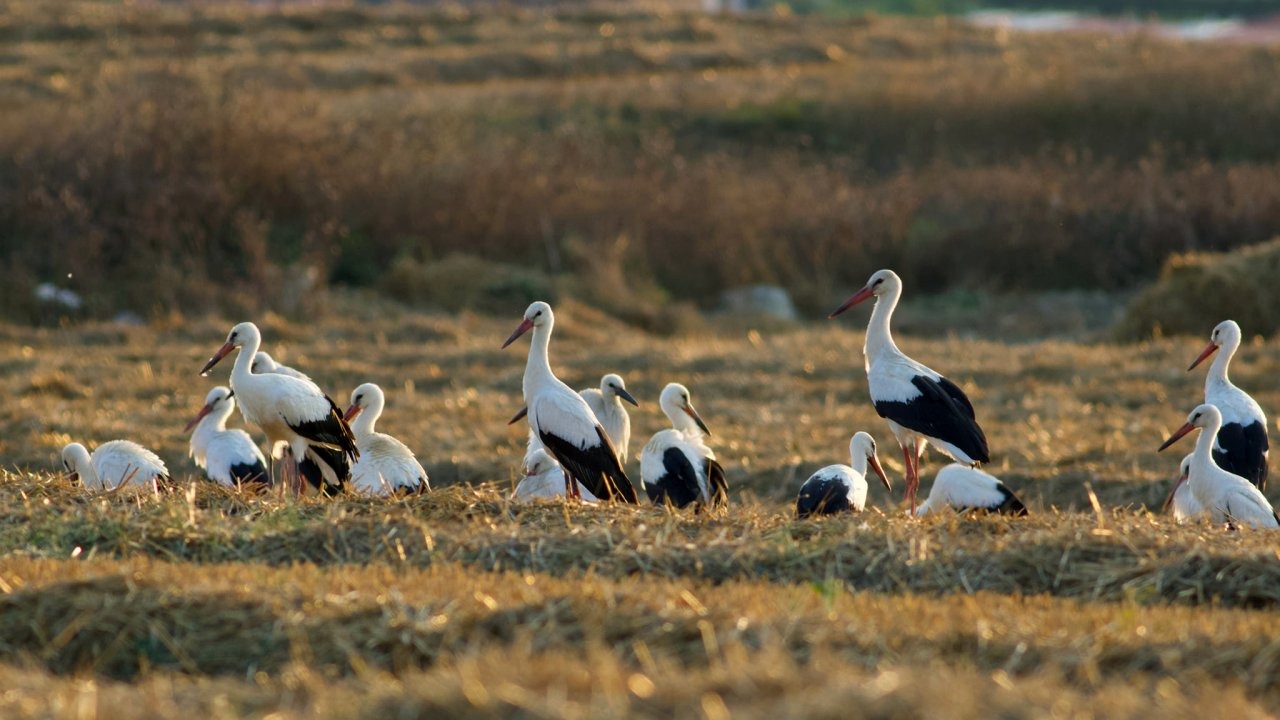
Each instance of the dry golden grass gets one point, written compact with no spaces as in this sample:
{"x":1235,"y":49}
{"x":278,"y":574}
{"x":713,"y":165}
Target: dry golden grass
{"x":457,"y":602}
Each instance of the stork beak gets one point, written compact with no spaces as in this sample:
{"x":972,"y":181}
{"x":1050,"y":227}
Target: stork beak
{"x":204,"y":411}
{"x":222,"y":352}
{"x":688,"y":410}
{"x":857,"y":297}
{"x":521,"y":329}
{"x":73,"y":477}
{"x":1209,"y":350}
{"x":1164,"y":507}
{"x":524,"y":411}
{"x":875,"y":465}
{"x":1176,"y":436}
{"x":351,"y":413}
{"x":622,"y":393}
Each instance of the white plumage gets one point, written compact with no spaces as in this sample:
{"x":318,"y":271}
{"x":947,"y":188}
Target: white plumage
{"x":606,"y":403}
{"x":1225,"y":496}
{"x":676,"y":465}
{"x":114,"y":463}
{"x":228,"y":457}
{"x":842,"y":488}
{"x":1183,"y":502}
{"x":964,"y":488}
{"x":386,"y":465}
{"x":264,"y":364}
{"x":543,"y":480}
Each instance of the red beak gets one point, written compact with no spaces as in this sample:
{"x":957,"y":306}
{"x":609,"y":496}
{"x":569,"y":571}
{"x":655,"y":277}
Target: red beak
{"x":875,"y":465}
{"x":351,"y":413}
{"x":857,"y":297}
{"x":222,"y":352}
{"x":521,"y":329}
{"x":1176,"y":436}
{"x":1209,"y":350}
{"x":688,"y":409}
{"x":1164,"y":508}
{"x":204,"y":411}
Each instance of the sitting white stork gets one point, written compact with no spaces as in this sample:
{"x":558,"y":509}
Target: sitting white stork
{"x":562,"y":420}
{"x":965,"y":489}
{"x":228,"y":457}
{"x":114,"y":464}
{"x":606,"y":403}
{"x":842,"y":488}
{"x":1242,"y":443}
{"x":543,"y":480}
{"x":1227,"y":497}
{"x":920,"y":405}
{"x":1181,"y":500}
{"x":676,"y":465}
{"x":386,"y":465}
{"x":290,"y":410}
{"x":264,"y":364}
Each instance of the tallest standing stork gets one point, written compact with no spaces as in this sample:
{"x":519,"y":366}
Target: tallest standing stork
{"x":920,"y":405}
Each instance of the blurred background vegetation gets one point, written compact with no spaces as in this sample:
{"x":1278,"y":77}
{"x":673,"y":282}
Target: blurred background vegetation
{"x":235,"y":158}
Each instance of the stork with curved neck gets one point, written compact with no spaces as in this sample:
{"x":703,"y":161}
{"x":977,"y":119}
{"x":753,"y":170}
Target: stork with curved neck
{"x":386,"y":465}
{"x":1227,"y":496}
{"x":228,"y":457}
{"x":1242,"y":445}
{"x":920,"y":404}
{"x":676,"y":465}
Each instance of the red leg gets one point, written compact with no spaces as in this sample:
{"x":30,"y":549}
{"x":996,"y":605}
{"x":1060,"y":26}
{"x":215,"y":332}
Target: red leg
{"x":913,"y":481}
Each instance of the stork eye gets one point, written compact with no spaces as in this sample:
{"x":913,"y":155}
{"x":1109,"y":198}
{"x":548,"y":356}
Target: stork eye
{"x":877,"y":282}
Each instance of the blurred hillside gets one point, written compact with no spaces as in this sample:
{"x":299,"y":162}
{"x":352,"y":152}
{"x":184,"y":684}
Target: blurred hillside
{"x":235,"y":158}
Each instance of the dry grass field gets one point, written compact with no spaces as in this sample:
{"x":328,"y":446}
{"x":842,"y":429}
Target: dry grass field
{"x":209,"y":604}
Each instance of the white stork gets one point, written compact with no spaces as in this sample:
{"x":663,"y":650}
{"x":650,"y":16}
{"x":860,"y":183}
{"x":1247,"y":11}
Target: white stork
{"x":543,"y":479}
{"x":676,"y":465}
{"x":309,"y":466}
{"x":920,"y":405}
{"x":264,"y":364}
{"x":965,"y":489}
{"x":1181,"y":500}
{"x":563,"y":421}
{"x":606,"y":403}
{"x":1242,"y":444}
{"x":290,"y":410}
{"x":228,"y":457}
{"x":115,"y":463}
{"x":1226,"y":496}
{"x":842,"y":488}
{"x":386,"y":465}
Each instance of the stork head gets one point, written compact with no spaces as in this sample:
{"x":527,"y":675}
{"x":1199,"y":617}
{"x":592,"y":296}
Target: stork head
{"x":263,"y":363}
{"x":1184,"y":472}
{"x":1225,"y":334}
{"x":246,"y":333}
{"x":863,"y":445}
{"x":217,"y":399}
{"x":1204,"y":416}
{"x":881,"y":282}
{"x":365,"y":397}
{"x":539,"y":462}
{"x":75,"y":457}
{"x":679,"y":409}
{"x":611,"y":385}
{"x":538,"y":315}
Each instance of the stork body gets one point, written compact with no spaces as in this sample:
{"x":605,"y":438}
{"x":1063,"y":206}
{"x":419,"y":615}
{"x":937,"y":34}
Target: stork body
{"x":841,"y":488}
{"x":228,"y":457}
{"x":386,"y":465}
{"x":965,"y":489}
{"x":676,"y":465}
{"x":606,"y":403}
{"x":1227,"y":497}
{"x":920,"y":405}
{"x":544,"y":480}
{"x":290,"y":410}
{"x":1242,"y":444}
{"x":562,"y":420}
{"x":115,"y":463}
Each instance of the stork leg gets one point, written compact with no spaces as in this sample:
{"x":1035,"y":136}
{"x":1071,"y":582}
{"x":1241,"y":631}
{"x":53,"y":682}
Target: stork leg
{"x":906,"y":459}
{"x":912,"y":457}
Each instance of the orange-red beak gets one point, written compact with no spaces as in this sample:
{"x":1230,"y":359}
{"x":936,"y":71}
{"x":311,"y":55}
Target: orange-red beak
{"x":875,"y":465}
{"x":1209,"y":350}
{"x":222,"y":352}
{"x":1164,"y":508}
{"x":688,"y":409}
{"x":519,"y":416}
{"x":856,"y":298}
{"x":1177,"y":435}
{"x":204,"y":412}
{"x":521,"y":329}
{"x":351,"y":413}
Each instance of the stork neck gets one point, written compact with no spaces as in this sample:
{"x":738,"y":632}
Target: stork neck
{"x":858,"y":461}
{"x":1202,"y":462}
{"x":879,"y":338}
{"x":1217,"y":375}
{"x":537,"y":370}
{"x":84,"y":466}
{"x":362,"y":426}
{"x":210,"y":425}
{"x":244,"y":360}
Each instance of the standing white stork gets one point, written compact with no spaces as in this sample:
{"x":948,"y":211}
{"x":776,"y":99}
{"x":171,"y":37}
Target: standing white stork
{"x":228,"y":457}
{"x":676,"y":465}
{"x":543,"y":479}
{"x":1226,"y":496}
{"x":1181,"y":500}
{"x":563,"y":421}
{"x":606,"y":403}
{"x":1242,"y":444}
{"x":309,"y":466}
{"x":965,"y":488}
{"x":115,"y":463}
{"x":290,"y":410}
{"x":842,"y":488}
{"x":386,"y":465}
{"x":920,"y":405}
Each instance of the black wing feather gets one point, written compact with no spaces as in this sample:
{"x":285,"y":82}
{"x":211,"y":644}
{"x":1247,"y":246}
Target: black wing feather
{"x":331,"y":431}
{"x":822,"y":496}
{"x":678,"y":485}
{"x":246,"y":473}
{"x":1244,"y":452}
{"x":941,"y":411}
{"x":596,"y":467}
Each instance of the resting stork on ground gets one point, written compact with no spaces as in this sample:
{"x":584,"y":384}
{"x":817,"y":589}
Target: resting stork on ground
{"x":563,"y":422}
{"x":966,"y":489}
{"x":386,"y":465}
{"x":920,"y":404}
{"x":677,"y":466}
{"x":543,"y":480}
{"x":1181,"y":501}
{"x":842,"y":488}
{"x":1242,"y":445}
{"x":115,"y":463}
{"x":228,"y":457}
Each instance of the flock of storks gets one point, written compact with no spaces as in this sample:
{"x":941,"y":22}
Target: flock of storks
{"x":578,"y":440}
